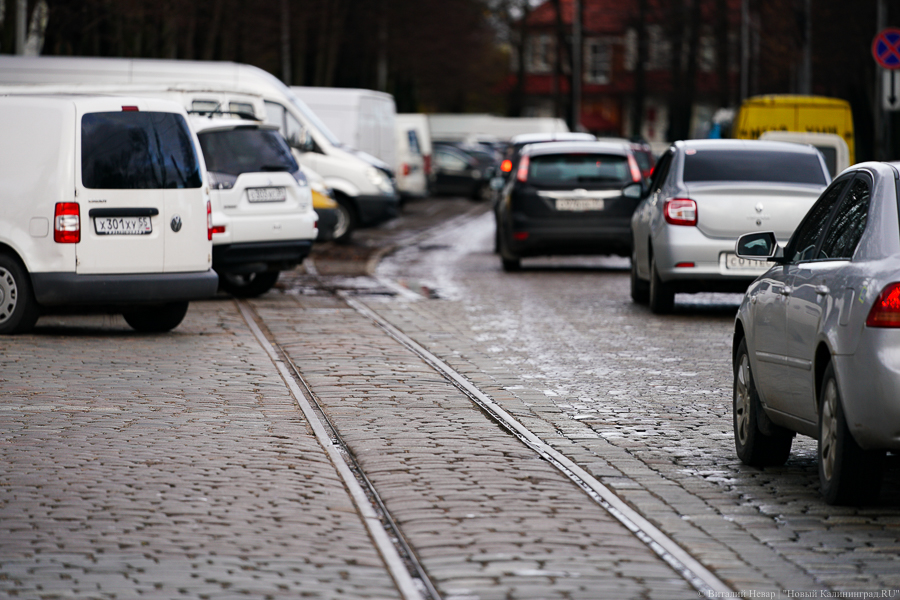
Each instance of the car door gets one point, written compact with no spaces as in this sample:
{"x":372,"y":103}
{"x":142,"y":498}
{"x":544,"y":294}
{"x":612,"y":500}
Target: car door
{"x":770,"y":307}
{"x":817,"y":287}
{"x":642,"y":214}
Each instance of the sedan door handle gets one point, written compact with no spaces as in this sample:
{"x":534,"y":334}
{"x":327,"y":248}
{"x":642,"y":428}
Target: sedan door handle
{"x":822,"y":290}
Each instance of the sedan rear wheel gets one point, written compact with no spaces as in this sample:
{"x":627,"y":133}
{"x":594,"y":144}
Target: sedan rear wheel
{"x":662,"y":296}
{"x":847,"y":473}
{"x":753,"y":446}
{"x":640,"y":289}
{"x":248,"y":285}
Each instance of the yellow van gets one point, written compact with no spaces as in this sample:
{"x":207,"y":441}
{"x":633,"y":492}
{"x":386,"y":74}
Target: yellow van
{"x":783,"y":112}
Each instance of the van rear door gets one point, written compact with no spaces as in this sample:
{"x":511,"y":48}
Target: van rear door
{"x":133,"y":169}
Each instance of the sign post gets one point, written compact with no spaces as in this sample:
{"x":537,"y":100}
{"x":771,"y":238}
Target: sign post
{"x":886,"y":51}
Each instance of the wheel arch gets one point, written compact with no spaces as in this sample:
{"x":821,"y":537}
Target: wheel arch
{"x":10,"y":251}
{"x":736,"y":339}
{"x":820,"y":363}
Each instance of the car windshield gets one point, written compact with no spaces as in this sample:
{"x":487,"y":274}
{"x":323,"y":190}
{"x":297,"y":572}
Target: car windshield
{"x":134,"y":150}
{"x":246,"y":150}
{"x":548,"y":169}
{"x":753,"y":165}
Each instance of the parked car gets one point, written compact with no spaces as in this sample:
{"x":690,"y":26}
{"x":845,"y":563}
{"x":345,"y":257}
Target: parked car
{"x":703,"y":194}
{"x":414,"y":173}
{"x":325,"y":206}
{"x":103,"y":207}
{"x":816,"y":337}
{"x":568,"y":198}
{"x":643,"y":153}
{"x":462,"y":171}
{"x":263,"y":220}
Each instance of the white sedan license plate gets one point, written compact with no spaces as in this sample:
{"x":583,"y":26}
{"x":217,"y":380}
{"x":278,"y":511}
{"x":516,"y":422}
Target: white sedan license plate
{"x":734,"y":263}
{"x":122,"y":225}
{"x":266,"y":194}
{"x":579,"y":204}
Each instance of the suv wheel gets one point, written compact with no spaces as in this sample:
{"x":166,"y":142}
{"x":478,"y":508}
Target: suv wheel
{"x":18,"y":309}
{"x":156,"y":318}
{"x":247,"y":285}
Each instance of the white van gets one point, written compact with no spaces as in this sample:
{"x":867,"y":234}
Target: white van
{"x":414,"y":172}
{"x":832,"y":146}
{"x":104,"y":206}
{"x":362,"y":185}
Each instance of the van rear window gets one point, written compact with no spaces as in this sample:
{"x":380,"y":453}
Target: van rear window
{"x":246,"y":150}
{"x":753,"y":165}
{"x":133,"y":150}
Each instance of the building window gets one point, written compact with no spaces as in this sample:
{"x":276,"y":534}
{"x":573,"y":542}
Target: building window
{"x":540,"y":53}
{"x":659,"y":49}
{"x":597,"y":61}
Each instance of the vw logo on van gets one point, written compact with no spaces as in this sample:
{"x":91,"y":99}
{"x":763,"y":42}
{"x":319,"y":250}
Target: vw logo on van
{"x":176,"y":223}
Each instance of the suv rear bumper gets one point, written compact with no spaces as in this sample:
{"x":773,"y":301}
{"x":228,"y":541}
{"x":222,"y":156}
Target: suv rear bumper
{"x":67,"y":289}
{"x":256,"y":257}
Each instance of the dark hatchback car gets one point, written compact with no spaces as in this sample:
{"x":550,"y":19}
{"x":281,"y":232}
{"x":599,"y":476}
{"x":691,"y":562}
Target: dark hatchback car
{"x":568,"y":198}
{"x":462,"y":170}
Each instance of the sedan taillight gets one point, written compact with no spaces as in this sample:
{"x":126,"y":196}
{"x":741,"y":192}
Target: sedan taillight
{"x":522,"y":173}
{"x":886,"y":310}
{"x":66,"y":223}
{"x":635,"y":169}
{"x":680,"y":211}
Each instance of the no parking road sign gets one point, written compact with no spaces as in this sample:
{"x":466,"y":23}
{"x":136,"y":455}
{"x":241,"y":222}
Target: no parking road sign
{"x":886,"y":48}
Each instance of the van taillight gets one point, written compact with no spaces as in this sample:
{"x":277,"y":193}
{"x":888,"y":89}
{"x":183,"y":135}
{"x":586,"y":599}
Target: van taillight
{"x":209,"y":227}
{"x":130,"y":109}
{"x":66,"y":223}
{"x":680,"y":211}
{"x":405,"y":169}
{"x":522,"y":173}
{"x":427,"y":165}
{"x":886,"y":310}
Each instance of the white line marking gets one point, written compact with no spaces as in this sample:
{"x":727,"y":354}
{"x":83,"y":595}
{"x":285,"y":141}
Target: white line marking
{"x":370,"y":518}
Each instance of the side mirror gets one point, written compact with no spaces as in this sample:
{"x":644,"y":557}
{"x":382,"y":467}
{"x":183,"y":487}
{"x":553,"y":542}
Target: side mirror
{"x":633,"y":190}
{"x":759,"y":246}
{"x":302,"y":142}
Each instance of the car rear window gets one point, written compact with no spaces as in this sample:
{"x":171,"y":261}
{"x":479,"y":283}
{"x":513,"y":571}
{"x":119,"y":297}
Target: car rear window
{"x":753,"y":165}
{"x":246,"y":150}
{"x":133,"y":150}
{"x":578,"y":168}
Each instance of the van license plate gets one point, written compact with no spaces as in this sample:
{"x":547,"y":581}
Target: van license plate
{"x":579,"y":204}
{"x":122,"y":225}
{"x":732,"y":262}
{"x":266,"y":194}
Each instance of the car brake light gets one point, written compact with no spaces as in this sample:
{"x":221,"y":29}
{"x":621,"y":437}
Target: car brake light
{"x":635,"y":169}
{"x":130,"y":109}
{"x":506,"y":166}
{"x":427,"y":159}
{"x":680,"y":211}
{"x":522,"y":173}
{"x":405,"y":169}
{"x":66,"y":223}
{"x":209,"y":225}
{"x":886,"y":310}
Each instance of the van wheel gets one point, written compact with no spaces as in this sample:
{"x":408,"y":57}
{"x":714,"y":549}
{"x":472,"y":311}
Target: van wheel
{"x":753,"y":445}
{"x":347,"y":221}
{"x":847,"y":473}
{"x":156,"y":318}
{"x":248,"y":285}
{"x":18,"y":309}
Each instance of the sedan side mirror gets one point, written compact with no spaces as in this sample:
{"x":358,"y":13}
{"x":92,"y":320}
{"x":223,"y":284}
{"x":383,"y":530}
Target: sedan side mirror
{"x":633,"y":190}
{"x":759,"y":246}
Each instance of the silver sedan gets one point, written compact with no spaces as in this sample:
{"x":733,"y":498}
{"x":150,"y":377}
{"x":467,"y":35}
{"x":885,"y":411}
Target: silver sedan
{"x":816,"y":347}
{"x":702,"y":195}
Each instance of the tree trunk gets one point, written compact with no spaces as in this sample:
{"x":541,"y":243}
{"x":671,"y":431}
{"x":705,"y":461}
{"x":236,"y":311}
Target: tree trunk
{"x":212,"y":34}
{"x":640,"y":75}
{"x":517,"y":98}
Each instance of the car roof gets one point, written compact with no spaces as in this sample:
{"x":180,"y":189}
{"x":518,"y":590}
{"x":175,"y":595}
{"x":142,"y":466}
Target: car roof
{"x":531,"y":138}
{"x":576,"y":147}
{"x":204,"y":123}
{"x":739,"y":145}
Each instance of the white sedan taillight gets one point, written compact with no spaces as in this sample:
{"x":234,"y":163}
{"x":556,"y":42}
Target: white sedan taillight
{"x":680,"y":211}
{"x":66,"y":223}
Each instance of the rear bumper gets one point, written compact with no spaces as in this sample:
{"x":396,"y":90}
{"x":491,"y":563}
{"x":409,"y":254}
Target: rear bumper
{"x":610,"y":237}
{"x":373,"y":210}
{"x":256,"y":257}
{"x":70,"y":289}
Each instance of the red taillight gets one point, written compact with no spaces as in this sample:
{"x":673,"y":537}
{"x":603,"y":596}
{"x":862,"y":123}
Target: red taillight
{"x":130,"y":109}
{"x":506,"y":166}
{"x":522,"y":173}
{"x":218,"y":229}
{"x":886,"y":310}
{"x":635,"y":169}
{"x":66,"y":223}
{"x":427,"y":159}
{"x":684,"y":265}
{"x":520,"y":236}
{"x":209,"y":225}
{"x":680,"y":211}
{"x":405,"y":169}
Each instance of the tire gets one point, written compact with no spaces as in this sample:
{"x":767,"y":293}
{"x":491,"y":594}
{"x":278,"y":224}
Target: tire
{"x":640,"y":289}
{"x":248,"y":285}
{"x":18,"y":309}
{"x":753,"y":446}
{"x":661,"y":295}
{"x":347,"y":220}
{"x":509,"y":261}
{"x":847,"y":473}
{"x":511,"y":264}
{"x":156,"y":318}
